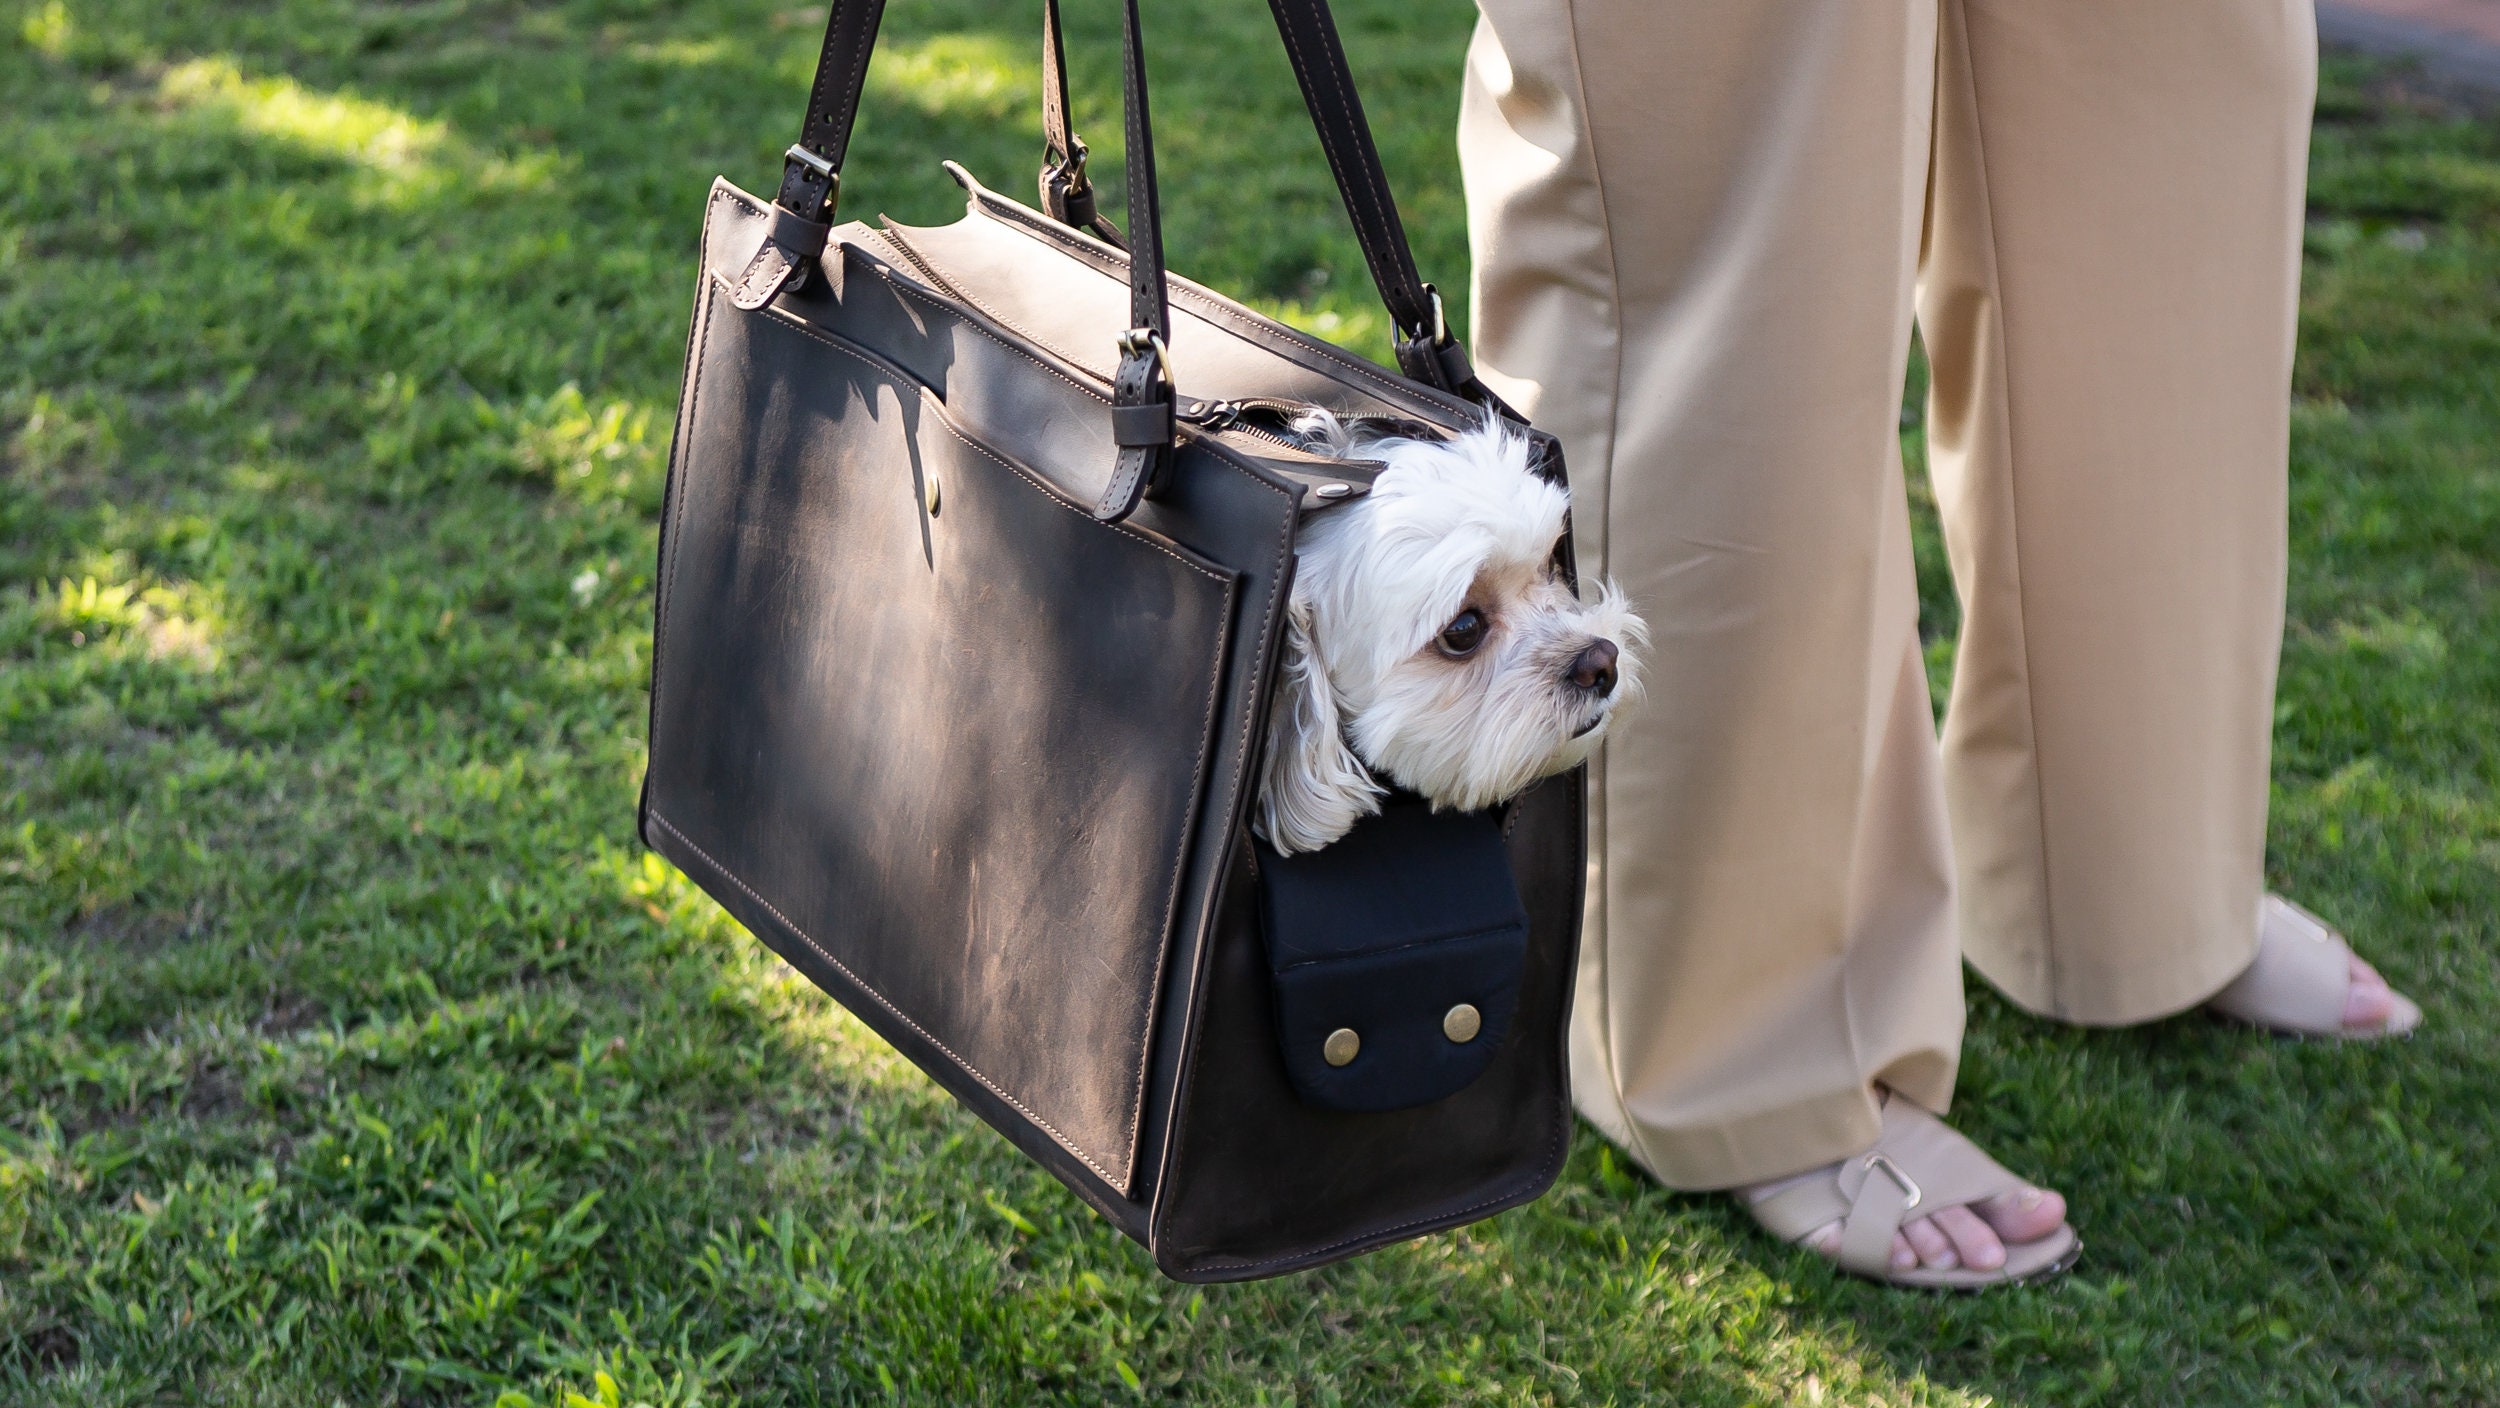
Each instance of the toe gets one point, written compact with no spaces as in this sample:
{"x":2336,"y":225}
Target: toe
{"x":2368,"y":1003}
{"x":1934,"y":1247}
{"x":1825,"y":1240}
{"x":2026,"y":1215}
{"x":1974,"y":1241}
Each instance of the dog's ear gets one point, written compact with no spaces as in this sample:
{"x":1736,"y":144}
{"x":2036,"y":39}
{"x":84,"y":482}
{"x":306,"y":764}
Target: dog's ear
{"x":1313,"y":789}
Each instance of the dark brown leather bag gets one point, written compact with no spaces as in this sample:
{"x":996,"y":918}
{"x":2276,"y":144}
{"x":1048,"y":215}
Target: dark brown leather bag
{"x":971,"y":582}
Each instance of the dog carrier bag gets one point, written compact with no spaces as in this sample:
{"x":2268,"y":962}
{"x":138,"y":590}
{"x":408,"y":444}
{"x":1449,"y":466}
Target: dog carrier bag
{"x":972,"y":583}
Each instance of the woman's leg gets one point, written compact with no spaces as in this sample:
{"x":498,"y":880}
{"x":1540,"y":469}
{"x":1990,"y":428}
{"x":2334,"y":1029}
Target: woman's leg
{"x":1696,"y":226}
{"x":2108,"y":298}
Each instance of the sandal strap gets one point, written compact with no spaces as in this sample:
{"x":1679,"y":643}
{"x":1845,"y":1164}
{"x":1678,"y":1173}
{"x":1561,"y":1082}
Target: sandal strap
{"x":2301,"y":976}
{"x":1918,"y":1165}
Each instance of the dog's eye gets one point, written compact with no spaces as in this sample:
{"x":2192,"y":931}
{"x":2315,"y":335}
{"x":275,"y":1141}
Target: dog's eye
{"x":1463,"y":634}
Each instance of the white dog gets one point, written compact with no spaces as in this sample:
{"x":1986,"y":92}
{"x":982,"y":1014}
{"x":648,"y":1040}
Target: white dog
{"x":1432,"y":641}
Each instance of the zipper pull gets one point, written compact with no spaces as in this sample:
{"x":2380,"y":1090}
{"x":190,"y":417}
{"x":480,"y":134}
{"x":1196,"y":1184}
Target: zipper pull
{"x":1212,"y":415}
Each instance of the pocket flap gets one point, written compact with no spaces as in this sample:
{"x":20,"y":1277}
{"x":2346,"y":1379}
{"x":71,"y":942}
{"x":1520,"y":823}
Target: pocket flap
{"x":1396,"y":955}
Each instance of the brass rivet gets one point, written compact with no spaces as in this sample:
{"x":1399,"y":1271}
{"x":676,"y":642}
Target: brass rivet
{"x":1461,"y":1023}
{"x":1342,"y":1046}
{"x":929,"y":494}
{"x":1333,"y":491}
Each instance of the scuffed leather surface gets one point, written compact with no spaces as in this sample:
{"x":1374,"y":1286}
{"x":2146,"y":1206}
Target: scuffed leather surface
{"x":1220,"y":1183}
{"x":1022,"y":270}
{"x":957,"y":753}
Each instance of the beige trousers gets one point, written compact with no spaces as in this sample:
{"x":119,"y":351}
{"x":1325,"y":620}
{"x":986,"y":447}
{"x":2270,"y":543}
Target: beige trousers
{"x":1703,"y":229}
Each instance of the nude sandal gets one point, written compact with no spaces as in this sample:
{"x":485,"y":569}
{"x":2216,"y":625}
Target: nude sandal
{"x":2301,"y":976}
{"x":1918,"y":1166}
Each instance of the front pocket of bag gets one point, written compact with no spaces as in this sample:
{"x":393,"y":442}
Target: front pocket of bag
{"x":938,"y":723}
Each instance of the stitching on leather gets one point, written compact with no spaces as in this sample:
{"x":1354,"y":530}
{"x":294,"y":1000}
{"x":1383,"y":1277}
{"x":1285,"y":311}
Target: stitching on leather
{"x":1214,"y":692}
{"x":691,"y":378}
{"x":986,"y":310}
{"x":1198,"y":765}
{"x":933,"y":301}
{"x":1206,"y":304}
{"x":1353,"y":191}
{"x":1191,"y":833}
{"x":1251,"y":718}
{"x":1051,"y":491}
{"x":1359,"y":190}
{"x":858,"y":81}
{"x":899,"y":1015}
{"x":1215,"y":309}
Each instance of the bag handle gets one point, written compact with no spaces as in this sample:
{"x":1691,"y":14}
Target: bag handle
{"x":1142,"y":391}
{"x":1067,"y":194}
{"x":1425,"y":349}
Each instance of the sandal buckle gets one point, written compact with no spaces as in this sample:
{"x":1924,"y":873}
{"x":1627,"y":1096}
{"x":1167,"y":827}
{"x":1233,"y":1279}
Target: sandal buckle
{"x":1877,"y":1163}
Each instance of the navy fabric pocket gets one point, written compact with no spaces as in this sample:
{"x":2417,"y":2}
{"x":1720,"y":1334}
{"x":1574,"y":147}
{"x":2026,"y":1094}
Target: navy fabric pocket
{"x":1407,"y":934}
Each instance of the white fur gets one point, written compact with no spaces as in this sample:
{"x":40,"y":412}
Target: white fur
{"x":1367,"y":694}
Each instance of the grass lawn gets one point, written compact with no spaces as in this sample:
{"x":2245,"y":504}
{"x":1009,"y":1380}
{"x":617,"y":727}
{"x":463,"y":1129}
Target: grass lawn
{"x":351,"y":1050}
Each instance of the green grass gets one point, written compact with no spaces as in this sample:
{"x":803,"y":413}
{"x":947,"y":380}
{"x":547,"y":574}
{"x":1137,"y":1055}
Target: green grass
{"x":352,"y":1052}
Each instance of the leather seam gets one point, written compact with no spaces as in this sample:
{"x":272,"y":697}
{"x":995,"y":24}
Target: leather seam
{"x":1185,"y":1068}
{"x":951,"y":286}
{"x":692,"y":379}
{"x":844,"y":969}
{"x":1050,"y":491}
{"x":1207,"y":305}
{"x":1198,"y":765}
{"x":1364,"y":190}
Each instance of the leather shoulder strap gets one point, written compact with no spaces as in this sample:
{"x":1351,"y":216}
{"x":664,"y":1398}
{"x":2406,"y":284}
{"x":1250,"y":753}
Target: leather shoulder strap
{"x":1141,"y":392}
{"x":811,"y":171}
{"x":1067,"y":192}
{"x":1425,"y":349}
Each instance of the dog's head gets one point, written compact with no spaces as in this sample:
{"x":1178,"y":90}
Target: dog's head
{"x":1434,"y":643}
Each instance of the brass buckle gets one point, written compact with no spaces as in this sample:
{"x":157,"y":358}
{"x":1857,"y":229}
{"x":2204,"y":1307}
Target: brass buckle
{"x":822,"y":167}
{"x":811,"y":161}
{"x":1139,"y":342}
{"x":1071,"y":165}
{"x":1877,"y":1163}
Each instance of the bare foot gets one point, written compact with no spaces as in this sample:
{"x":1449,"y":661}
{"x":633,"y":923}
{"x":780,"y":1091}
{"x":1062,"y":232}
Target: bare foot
{"x":2291,"y":985}
{"x":2370,"y":1001}
{"x":1974,"y":1235}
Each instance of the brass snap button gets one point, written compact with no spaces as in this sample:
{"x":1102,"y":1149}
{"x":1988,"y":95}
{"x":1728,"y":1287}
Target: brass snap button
{"x":1461,"y":1023}
{"x":1341,"y":1046}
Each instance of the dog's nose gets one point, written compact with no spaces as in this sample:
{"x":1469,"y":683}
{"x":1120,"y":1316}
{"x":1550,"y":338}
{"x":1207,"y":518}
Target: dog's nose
{"x":1594,"y":669}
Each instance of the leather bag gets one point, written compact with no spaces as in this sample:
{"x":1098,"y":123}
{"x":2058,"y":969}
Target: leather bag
{"x":973,"y":568}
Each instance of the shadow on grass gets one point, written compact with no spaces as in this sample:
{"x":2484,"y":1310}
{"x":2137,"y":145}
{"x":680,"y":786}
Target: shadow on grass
{"x":358,"y":1051}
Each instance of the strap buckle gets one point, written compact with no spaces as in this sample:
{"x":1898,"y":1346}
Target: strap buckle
{"x":1877,"y":1163}
{"x":1070,"y":167}
{"x":1437,"y":333}
{"x":799,"y":158}
{"x":1142,"y":342}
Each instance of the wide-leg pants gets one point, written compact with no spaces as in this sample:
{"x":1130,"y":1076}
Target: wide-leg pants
{"x":1703,"y":229}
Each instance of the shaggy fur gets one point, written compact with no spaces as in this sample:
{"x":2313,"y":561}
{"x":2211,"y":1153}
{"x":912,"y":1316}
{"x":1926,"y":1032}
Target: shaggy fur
{"x":1370,"y":693}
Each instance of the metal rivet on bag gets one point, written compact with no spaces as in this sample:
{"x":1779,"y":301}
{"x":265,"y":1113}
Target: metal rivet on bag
{"x":929,"y":492}
{"x":1342,"y":1046}
{"x":1461,"y":1023}
{"x":1333,"y":491}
